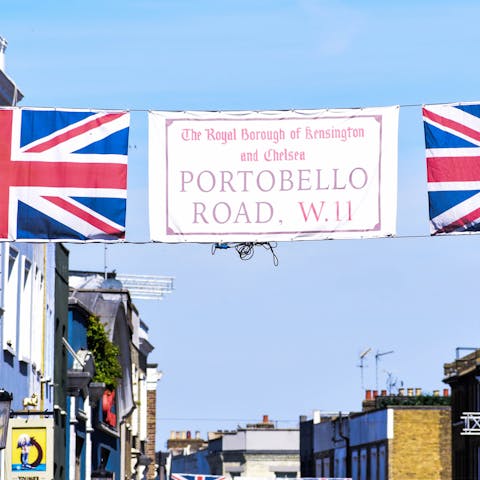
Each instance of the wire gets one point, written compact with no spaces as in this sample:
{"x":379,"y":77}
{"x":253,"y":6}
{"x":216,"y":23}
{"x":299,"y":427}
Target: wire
{"x":246,"y":250}
{"x":224,"y":246}
{"x":239,"y":112}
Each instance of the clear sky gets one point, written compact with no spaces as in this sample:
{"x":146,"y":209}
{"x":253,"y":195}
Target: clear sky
{"x":239,"y":339}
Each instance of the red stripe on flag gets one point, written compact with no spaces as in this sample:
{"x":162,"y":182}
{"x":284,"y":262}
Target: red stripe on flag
{"x":453,"y":169}
{"x":42,"y":147}
{"x":87,"y":217}
{"x":68,"y":174}
{"x":475,"y":134}
{"x":460,"y":222}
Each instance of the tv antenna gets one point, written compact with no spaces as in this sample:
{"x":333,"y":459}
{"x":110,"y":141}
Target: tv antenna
{"x":362,"y":366}
{"x":377,"y":357}
{"x":391,"y":382}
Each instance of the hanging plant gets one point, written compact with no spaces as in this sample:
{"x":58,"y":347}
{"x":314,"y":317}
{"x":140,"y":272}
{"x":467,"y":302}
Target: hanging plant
{"x":105,"y":354}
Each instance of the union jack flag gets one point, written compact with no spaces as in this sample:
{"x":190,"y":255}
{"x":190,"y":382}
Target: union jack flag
{"x":190,"y":476}
{"x":452,"y":141}
{"x":63,"y":174}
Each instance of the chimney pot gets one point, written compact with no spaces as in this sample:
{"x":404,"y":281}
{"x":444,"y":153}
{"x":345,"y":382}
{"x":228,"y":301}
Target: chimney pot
{"x":436,"y":393}
{"x":265,"y":419}
{"x":446,"y":393}
{"x":401,"y":392}
{"x":383,"y":393}
{"x":375,"y":393}
{"x":418,"y":392}
{"x":368,"y":394}
{"x":410,"y":392}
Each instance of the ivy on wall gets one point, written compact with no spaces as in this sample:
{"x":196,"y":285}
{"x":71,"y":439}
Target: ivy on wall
{"x":105,"y":353}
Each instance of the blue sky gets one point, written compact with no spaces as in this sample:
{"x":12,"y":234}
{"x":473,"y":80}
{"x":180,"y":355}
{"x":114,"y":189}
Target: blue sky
{"x":237,"y":339}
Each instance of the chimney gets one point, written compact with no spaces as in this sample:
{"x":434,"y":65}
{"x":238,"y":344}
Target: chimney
{"x":436,"y":393}
{"x":401,"y":392}
{"x":368,"y":394}
{"x":375,"y":393}
{"x":197,"y":435}
{"x":3,"y":47}
{"x":410,"y":392}
{"x":418,"y":392}
{"x":383,"y":393}
{"x":265,"y":419}
{"x":446,"y":392}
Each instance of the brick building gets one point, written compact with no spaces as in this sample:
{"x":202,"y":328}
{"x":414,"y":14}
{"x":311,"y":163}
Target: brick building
{"x":463,"y":375}
{"x":394,"y":437}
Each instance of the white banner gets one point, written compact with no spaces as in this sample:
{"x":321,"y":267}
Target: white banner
{"x":272,"y":176}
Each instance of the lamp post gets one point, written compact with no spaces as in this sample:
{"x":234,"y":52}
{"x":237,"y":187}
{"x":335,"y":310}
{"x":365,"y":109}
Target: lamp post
{"x":5,"y":402}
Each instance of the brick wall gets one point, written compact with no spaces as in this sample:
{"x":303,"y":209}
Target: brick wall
{"x":151,"y":431}
{"x":421,"y":446}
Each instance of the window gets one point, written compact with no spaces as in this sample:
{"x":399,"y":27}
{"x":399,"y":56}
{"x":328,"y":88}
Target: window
{"x":373,"y":463}
{"x":363,"y":464}
{"x":355,"y":469}
{"x":26,"y":308}
{"x":286,"y":474}
{"x":10,"y":298}
{"x":326,"y":467}
{"x":382,"y":463}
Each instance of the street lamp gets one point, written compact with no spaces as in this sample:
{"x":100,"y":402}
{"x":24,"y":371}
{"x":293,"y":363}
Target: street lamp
{"x":5,"y":402}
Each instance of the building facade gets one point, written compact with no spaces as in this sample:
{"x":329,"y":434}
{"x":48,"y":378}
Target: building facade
{"x":395,"y":437}
{"x":122,"y":429}
{"x":28,"y":303}
{"x":463,"y":377}
{"x":258,"y":450}
{"x":10,"y":94}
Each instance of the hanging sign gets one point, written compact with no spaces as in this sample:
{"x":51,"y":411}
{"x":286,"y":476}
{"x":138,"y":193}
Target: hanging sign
{"x":29,"y":452}
{"x":272,"y":176}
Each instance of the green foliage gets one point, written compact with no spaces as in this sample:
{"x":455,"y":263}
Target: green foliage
{"x":105,"y":354}
{"x":416,"y":400}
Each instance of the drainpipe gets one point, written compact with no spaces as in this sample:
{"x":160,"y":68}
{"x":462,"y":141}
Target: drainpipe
{"x":347,"y":447}
{"x":88,"y":437}
{"x":73,"y":437}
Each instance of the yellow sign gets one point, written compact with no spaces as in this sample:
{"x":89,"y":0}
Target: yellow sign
{"x":30,"y":449}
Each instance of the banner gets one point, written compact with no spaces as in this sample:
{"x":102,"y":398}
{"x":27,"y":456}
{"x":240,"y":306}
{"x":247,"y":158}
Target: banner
{"x":272,"y":176}
{"x":64,"y":174}
{"x":452,"y":142}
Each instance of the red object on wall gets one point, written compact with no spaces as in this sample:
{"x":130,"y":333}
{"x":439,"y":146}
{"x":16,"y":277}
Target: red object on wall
{"x":108,"y":407}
